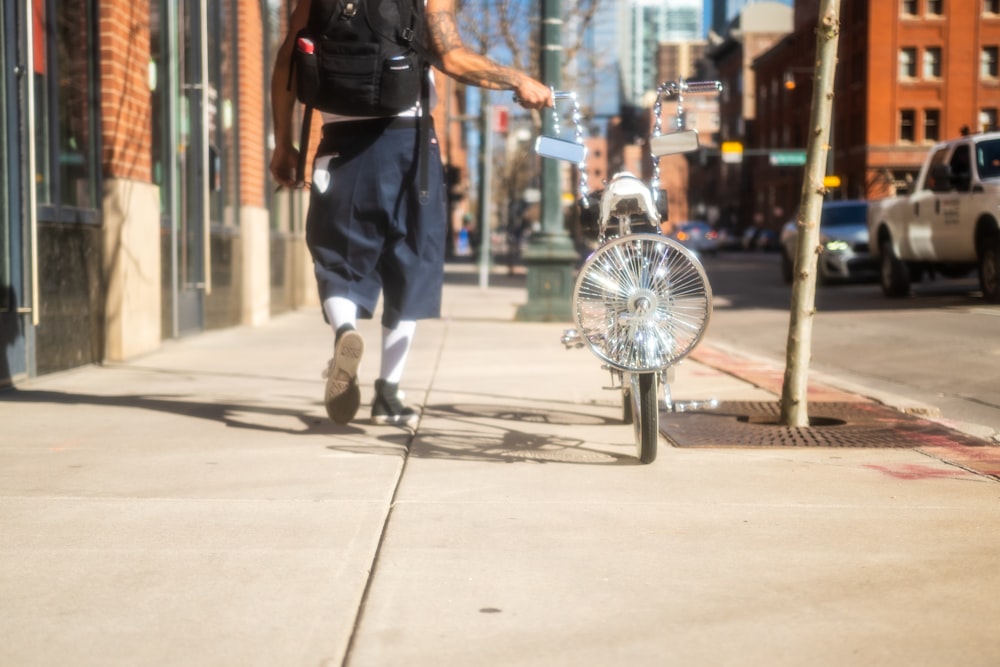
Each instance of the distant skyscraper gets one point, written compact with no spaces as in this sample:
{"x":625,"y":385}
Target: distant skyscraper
{"x":642,"y":26}
{"x":724,"y":11}
{"x":600,"y":86}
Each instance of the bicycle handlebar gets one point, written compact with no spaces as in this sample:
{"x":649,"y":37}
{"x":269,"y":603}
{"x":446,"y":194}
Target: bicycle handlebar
{"x":670,"y":88}
{"x":690,"y":87}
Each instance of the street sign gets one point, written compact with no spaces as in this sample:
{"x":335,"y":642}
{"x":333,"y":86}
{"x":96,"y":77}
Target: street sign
{"x":732,"y":152}
{"x":787,"y":158}
{"x":501,"y":119}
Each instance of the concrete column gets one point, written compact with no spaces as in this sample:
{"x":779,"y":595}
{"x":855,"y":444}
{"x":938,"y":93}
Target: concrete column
{"x":256,"y":251}
{"x":131,"y":268}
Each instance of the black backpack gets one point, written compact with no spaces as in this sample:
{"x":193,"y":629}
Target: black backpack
{"x":363,"y":58}
{"x":360,"y":57}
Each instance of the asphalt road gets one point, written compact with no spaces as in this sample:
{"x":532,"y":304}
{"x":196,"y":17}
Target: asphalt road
{"x":940,"y":346}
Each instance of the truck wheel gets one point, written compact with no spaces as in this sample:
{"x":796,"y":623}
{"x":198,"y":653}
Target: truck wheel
{"x":895,"y":275}
{"x":989,"y":269}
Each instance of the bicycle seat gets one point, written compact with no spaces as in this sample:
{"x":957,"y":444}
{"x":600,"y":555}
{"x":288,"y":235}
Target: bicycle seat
{"x":627,"y":197}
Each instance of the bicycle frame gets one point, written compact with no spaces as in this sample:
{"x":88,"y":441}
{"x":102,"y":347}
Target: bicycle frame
{"x":641,"y":300}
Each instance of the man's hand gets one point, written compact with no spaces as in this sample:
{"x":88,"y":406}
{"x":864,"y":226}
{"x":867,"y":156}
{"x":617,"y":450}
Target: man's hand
{"x":283,"y":164}
{"x":532,"y":94}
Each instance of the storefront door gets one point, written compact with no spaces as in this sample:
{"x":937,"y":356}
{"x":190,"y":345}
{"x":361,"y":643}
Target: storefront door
{"x":16,"y":325}
{"x":181,"y":159}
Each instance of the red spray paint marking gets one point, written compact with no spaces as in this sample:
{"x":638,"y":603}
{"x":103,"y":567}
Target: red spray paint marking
{"x":917,"y":472}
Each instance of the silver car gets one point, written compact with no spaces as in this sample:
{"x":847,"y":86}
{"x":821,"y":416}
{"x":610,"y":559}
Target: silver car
{"x":843,"y":232}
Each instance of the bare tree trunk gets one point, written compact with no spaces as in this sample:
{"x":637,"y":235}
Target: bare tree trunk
{"x":794,"y":400}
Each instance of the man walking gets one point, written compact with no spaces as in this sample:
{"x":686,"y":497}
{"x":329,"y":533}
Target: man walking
{"x":371,"y":227}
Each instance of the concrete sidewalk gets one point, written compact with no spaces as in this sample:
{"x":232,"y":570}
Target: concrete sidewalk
{"x":196,"y":507}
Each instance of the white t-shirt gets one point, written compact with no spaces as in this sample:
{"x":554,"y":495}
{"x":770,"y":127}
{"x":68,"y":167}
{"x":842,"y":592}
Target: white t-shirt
{"x":412,"y":112}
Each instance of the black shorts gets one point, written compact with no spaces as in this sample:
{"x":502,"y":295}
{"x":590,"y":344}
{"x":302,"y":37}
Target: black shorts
{"x":367,"y":229}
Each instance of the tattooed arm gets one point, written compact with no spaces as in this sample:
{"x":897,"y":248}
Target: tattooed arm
{"x":286,"y":156}
{"x":462,"y":64}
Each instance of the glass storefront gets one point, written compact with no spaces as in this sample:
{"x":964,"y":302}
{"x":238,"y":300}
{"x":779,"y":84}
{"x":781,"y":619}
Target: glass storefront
{"x":6,"y":286}
{"x":195,"y":157}
{"x":68,"y":233}
{"x":66,"y":133}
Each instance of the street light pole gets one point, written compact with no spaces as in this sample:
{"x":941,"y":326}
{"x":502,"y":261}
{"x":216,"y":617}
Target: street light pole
{"x":550,"y":256}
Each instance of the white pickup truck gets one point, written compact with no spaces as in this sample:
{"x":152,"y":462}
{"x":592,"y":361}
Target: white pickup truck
{"x":949,"y":223}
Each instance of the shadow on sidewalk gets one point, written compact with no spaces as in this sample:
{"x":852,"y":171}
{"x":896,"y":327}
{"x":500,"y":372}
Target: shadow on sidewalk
{"x":233,"y":415}
{"x":474,"y":435}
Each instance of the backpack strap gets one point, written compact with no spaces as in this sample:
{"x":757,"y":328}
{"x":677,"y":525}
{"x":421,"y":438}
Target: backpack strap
{"x":300,"y":167}
{"x":424,"y":134}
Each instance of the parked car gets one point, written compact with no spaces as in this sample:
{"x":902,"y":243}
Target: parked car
{"x":697,"y":236}
{"x":949,"y":221}
{"x":843,"y":233}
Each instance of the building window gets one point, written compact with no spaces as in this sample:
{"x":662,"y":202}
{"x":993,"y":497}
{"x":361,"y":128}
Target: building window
{"x":932,"y":125}
{"x":66,"y":131}
{"x":988,"y":119}
{"x":909,"y":7}
{"x":908,"y":63}
{"x":988,"y":62}
{"x":906,"y":125}
{"x":932,"y":62}
{"x":935,"y":7}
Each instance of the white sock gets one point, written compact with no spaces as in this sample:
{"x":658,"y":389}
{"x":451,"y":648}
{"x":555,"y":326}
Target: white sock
{"x":395,"y":348}
{"x":340,"y":311}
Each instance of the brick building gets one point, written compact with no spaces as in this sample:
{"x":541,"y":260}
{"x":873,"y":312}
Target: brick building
{"x":136,"y":204}
{"x":910,"y":73}
{"x":756,"y":30}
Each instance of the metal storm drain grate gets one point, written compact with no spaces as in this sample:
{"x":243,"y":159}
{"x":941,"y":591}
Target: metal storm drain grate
{"x":848,"y":424}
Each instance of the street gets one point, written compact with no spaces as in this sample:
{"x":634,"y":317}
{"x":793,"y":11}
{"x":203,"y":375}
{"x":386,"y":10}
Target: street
{"x":940,"y":346}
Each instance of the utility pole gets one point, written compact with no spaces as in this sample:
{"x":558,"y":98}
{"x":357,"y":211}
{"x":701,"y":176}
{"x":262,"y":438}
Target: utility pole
{"x":550,"y":256}
{"x":485,"y":173}
{"x":485,"y":188}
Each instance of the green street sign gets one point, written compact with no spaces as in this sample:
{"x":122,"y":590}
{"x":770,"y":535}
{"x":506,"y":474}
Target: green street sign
{"x":787,"y":158}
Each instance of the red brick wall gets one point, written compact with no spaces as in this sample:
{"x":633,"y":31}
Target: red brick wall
{"x":252,"y":103}
{"x":123,"y":36}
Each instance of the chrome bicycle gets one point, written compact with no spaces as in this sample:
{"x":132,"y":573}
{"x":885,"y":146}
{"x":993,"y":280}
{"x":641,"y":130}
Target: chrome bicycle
{"x":641,"y":300}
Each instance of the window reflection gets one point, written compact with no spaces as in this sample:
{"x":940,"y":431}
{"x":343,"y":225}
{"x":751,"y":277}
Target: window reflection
{"x":64,"y":83}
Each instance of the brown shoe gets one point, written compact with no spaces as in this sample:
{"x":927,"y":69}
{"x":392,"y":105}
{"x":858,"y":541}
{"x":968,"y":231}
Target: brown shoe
{"x":343,"y":396}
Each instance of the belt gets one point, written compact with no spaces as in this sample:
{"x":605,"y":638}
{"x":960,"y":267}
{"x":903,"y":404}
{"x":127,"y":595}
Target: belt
{"x":369,"y":125}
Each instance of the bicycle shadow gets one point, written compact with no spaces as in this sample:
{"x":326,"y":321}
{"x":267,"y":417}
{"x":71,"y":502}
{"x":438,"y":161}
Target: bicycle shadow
{"x":485,"y":432}
{"x":462,"y":432}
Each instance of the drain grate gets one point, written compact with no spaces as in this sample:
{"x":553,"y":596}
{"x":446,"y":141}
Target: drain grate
{"x":848,"y":424}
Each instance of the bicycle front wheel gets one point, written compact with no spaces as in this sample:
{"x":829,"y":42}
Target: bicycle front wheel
{"x":645,"y":414}
{"x":642,"y":302}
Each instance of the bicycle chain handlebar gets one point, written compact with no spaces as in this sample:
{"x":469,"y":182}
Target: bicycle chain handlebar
{"x":675,"y":89}
{"x":691,"y":87}
{"x":668,"y":89}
